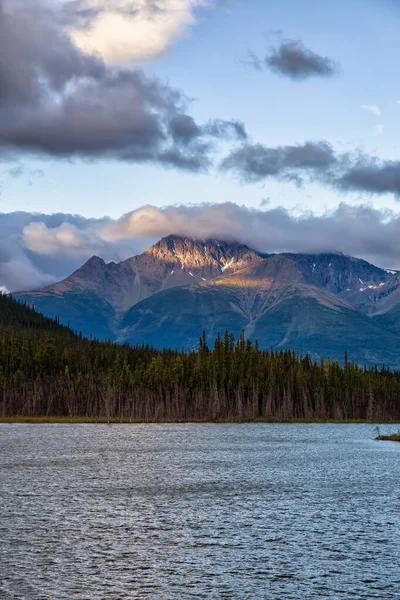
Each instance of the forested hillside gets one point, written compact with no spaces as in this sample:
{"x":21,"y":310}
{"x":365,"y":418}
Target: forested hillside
{"x":47,"y":370}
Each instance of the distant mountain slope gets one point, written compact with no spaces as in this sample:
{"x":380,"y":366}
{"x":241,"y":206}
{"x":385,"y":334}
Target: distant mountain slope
{"x":178,"y":287}
{"x":271,"y":303}
{"x":390,"y":320}
{"x":95,"y":296}
{"x":351,"y":278}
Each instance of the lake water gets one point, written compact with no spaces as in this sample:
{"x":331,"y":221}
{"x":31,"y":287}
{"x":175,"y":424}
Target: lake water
{"x":198,"y":511}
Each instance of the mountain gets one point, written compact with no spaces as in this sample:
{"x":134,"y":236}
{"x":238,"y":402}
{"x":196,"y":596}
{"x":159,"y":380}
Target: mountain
{"x":273,"y":302}
{"x":345,"y":276}
{"x":322,"y":304}
{"x":93,"y":299}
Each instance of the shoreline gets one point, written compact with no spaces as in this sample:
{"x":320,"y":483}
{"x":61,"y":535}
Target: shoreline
{"x":105,"y":421}
{"x":393,"y":437}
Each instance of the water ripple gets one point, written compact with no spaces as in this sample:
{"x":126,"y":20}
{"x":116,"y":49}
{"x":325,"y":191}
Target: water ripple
{"x":166,"y":512}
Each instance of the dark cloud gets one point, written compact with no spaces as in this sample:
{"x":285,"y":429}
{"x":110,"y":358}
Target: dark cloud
{"x":292,"y":59}
{"x":58,"y":101}
{"x":226,"y":129}
{"x":16,"y":172}
{"x":195,"y":159}
{"x":255,"y":162}
{"x":36,"y":57}
{"x":370,"y":175}
{"x":37,"y":249}
{"x":185,"y":129}
{"x":315,"y":161}
{"x":21,"y":170}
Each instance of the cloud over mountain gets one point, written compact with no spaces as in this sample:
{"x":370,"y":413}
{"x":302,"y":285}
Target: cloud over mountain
{"x":56,"y":100}
{"x":37,"y":249}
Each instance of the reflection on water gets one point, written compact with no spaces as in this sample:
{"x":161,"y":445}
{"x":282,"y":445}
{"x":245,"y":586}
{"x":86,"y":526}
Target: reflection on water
{"x":198,"y":511}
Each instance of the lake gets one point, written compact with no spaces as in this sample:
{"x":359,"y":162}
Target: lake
{"x":176,"y":511}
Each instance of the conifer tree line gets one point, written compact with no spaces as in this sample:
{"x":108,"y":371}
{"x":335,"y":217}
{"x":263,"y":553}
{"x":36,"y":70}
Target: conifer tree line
{"x":48,"y":370}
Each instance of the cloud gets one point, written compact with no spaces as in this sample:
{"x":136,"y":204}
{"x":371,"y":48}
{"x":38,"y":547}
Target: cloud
{"x":371,"y":176}
{"x":21,"y":170}
{"x":373,"y":108}
{"x":292,"y":59}
{"x":67,"y":237}
{"x":265,"y":202}
{"x":379,"y":129}
{"x":254,"y":61}
{"x":16,"y":172}
{"x":126,"y":30}
{"x":58,"y":101}
{"x":255,"y":162}
{"x":315,"y":162}
{"x":360,"y":231}
{"x":37,"y":249}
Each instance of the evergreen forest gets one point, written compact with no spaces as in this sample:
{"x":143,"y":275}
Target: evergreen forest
{"x":47,"y":370}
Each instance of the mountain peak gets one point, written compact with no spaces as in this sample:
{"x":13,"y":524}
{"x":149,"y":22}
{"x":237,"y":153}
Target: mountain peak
{"x":197,"y":253}
{"x":94,"y":261}
{"x":174,"y":242}
{"x":178,"y":260}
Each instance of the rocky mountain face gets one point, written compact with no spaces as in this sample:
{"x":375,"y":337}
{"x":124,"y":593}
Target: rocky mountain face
{"x":342,"y":275}
{"x":174,"y":261}
{"x":321,"y":304}
{"x":94,"y":298}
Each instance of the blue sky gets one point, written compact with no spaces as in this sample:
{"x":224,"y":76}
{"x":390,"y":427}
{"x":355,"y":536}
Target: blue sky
{"x":209,"y":66}
{"x":92,"y":111}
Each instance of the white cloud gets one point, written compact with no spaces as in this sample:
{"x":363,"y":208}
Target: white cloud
{"x":66,"y":237}
{"x":373,"y":108}
{"x":379,"y":128}
{"x":125,"y":30}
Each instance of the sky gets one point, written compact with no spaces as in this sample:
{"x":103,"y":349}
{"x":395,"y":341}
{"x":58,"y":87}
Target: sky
{"x":275,"y":123}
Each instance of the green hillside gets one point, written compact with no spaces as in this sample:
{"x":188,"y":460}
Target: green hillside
{"x":300,"y":323}
{"x":48,"y":371}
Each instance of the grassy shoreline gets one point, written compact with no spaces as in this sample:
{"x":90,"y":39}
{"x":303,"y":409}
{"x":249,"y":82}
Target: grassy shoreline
{"x":104,"y":420}
{"x":393,"y":437}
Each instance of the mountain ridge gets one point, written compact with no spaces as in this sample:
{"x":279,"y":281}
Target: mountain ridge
{"x":185,"y":284}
